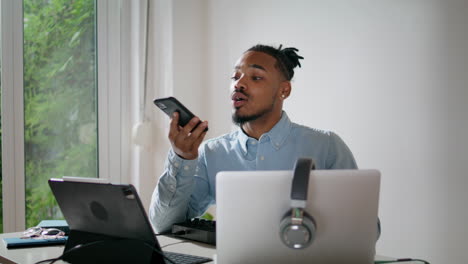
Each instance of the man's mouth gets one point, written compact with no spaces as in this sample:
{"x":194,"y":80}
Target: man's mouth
{"x":238,"y":99}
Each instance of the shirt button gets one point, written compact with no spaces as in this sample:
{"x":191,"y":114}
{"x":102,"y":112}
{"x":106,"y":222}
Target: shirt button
{"x":254,"y":142}
{"x":262,"y":158}
{"x":176,"y":164}
{"x":186,"y":168}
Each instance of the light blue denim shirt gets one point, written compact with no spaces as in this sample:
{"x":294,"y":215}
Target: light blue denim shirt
{"x":187,"y":187}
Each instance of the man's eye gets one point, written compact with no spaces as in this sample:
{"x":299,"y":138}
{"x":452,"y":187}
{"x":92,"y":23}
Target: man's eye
{"x":234,"y":78}
{"x":256,"y":78}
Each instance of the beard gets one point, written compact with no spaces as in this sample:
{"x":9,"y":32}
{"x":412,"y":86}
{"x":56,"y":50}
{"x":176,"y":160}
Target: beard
{"x":239,"y":120}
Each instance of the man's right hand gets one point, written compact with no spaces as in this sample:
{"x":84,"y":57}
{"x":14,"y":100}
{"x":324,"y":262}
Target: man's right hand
{"x":186,"y":143}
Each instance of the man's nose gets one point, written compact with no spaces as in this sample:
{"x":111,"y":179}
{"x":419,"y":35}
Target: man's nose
{"x":239,"y":84}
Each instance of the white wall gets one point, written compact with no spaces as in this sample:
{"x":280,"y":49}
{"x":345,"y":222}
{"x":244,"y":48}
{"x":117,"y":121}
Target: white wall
{"x":390,"y":77}
{"x":189,"y":38}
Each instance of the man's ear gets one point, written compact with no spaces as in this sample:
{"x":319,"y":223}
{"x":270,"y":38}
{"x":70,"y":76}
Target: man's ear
{"x":285,"y":89}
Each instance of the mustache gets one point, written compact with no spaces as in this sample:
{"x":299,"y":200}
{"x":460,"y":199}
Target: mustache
{"x":240,"y":91}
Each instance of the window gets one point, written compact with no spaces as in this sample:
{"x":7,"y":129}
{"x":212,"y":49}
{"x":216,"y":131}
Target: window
{"x":58,"y":116}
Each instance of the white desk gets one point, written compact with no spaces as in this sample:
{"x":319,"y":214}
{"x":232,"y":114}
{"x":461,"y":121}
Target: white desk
{"x":35,"y":254}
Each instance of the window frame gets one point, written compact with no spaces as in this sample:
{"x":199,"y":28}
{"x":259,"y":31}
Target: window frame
{"x":12,"y":116}
{"x":111,"y":42}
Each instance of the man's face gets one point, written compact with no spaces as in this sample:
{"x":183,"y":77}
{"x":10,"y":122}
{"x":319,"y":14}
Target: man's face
{"x":255,"y":87}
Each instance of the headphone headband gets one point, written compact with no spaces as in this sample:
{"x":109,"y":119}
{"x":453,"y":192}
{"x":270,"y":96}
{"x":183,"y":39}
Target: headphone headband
{"x":300,"y":184}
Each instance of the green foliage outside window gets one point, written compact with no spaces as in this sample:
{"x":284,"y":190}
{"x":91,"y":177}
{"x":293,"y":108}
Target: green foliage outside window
{"x":59,"y":98}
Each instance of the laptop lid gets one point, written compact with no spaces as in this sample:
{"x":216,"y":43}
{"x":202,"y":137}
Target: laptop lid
{"x":106,"y":212}
{"x":251,"y":205}
{"x":107,"y":209}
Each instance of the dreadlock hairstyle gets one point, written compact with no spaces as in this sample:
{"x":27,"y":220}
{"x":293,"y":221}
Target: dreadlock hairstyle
{"x":286,"y":59}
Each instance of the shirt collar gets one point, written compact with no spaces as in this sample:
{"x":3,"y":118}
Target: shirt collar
{"x":277,"y":134}
{"x":243,"y":138}
{"x":280,"y":131}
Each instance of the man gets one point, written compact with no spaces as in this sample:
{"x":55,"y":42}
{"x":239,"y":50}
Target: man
{"x":266,"y":139}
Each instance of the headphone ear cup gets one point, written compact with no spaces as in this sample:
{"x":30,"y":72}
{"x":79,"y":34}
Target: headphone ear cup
{"x":297,"y":236}
{"x":309,"y":221}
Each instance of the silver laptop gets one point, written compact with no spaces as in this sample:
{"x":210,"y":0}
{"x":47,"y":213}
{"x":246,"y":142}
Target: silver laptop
{"x":251,"y":205}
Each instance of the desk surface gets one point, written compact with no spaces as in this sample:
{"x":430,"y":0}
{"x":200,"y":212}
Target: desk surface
{"x":35,"y":254}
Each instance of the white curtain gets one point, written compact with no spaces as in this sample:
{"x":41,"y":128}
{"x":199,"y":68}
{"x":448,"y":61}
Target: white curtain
{"x":150,"y":52}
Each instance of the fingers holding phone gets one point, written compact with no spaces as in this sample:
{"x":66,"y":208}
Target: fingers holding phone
{"x":186,"y":130}
{"x":186,"y":140}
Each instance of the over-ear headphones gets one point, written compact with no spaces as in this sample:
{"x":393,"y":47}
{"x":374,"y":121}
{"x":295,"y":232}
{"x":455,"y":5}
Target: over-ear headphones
{"x":297,"y":228}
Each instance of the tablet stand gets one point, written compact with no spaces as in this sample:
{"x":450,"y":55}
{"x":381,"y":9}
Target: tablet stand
{"x":84,"y":247}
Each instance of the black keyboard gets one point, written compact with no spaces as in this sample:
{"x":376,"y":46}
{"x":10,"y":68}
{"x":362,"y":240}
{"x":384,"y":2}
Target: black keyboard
{"x":180,"y":258}
{"x":196,"y":229}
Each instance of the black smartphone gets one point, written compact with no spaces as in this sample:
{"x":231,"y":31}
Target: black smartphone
{"x":170,"y":105}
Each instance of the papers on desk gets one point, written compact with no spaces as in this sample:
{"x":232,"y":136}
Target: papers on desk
{"x":16,"y":242}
